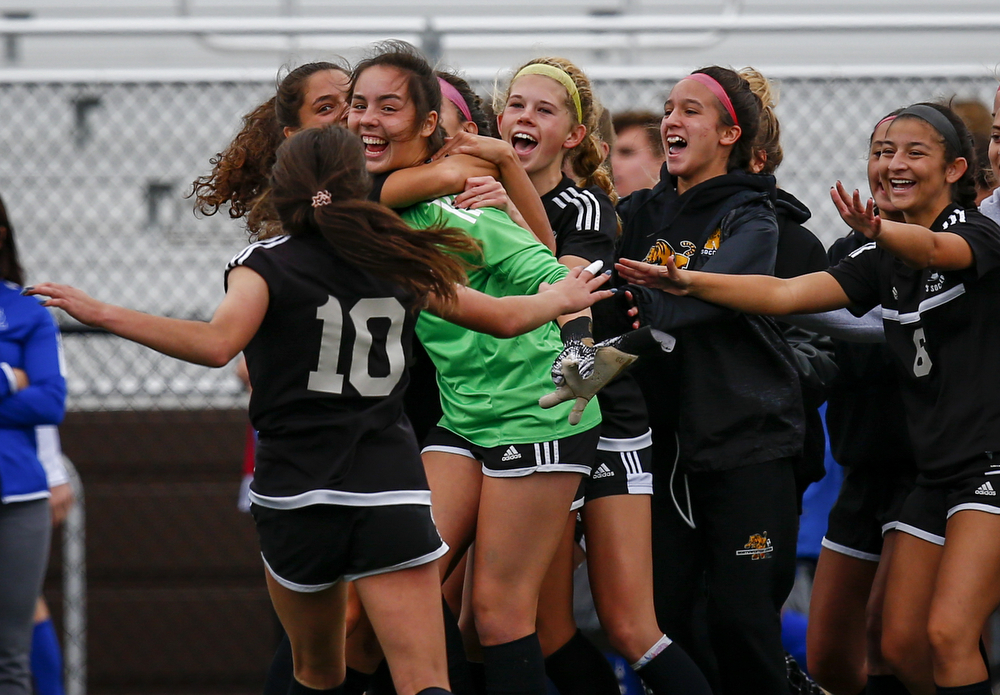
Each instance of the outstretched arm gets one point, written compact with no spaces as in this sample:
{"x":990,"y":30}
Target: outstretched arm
{"x":914,"y":245}
{"x":406,"y":187}
{"x":512,"y":175}
{"x":751,"y":294}
{"x":213,"y":343}
{"x":506,"y":317}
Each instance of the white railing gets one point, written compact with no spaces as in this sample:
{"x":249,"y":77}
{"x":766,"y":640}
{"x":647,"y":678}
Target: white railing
{"x":504,"y":24}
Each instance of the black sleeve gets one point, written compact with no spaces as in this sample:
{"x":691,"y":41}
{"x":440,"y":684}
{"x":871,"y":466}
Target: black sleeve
{"x":261,"y":261}
{"x":592,"y":227}
{"x":983,"y":236}
{"x":799,"y":251}
{"x":858,"y":276}
{"x":748,"y":250}
{"x":378,"y":182}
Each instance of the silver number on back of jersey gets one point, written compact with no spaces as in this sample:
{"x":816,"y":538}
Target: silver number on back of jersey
{"x":327,"y":379}
{"x":922,"y":362}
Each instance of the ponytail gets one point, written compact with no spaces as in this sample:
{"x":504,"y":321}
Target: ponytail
{"x":319,"y":185}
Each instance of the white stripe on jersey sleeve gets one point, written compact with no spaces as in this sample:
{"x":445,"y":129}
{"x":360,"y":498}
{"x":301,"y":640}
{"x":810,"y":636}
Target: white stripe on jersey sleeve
{"x":861,"y":249}
{"x":50,"y":454}
{"x":243,"y":255}
{"x":588,"y":210}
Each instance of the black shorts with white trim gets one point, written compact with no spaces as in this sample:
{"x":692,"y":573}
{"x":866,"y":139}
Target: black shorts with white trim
{"x":869,"y":504}
{"x":622,"y":467}
{"x":310,"y":549}
{"x":573,"y":454}
{"x":927,"y":509}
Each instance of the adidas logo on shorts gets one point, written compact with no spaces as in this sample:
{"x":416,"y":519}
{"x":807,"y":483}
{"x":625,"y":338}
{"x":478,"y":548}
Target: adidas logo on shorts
{"x":603,"y":472}
{"x":510,"y":454}
{"x":986,"y":489}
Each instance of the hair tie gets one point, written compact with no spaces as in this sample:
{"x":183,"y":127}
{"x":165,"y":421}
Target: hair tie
{"x":938,"y":121}
{"x":716,"y":89}
{"x":322,"y":198}
{"x":449,"y":92}
{"x":560,"y":76}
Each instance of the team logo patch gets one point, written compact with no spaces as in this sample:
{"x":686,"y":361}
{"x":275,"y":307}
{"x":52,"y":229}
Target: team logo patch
{"x":662,"y":250}
{"x":935,"y":281}
{"x":712,"y":245}
{"x":602,"y":472}
{"x":758,"y":547}
{"x":986,"y":489}
{"x":511,"y":454}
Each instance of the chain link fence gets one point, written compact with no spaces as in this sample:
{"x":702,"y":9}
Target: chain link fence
{"x":95,"y":176}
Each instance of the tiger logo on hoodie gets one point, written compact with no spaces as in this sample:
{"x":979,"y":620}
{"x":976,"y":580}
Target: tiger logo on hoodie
{"x":662,"y":250}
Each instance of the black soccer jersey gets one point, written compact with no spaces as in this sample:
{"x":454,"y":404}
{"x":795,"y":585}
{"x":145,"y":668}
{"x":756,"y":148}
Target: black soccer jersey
{"x":328,"y":369}
{"x":583,"y":220}
{"x":585,"y":224}
{"x":942,"y":328}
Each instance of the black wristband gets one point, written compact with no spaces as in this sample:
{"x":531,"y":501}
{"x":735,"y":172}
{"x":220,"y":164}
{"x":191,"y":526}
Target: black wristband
{"x":580,"y":328}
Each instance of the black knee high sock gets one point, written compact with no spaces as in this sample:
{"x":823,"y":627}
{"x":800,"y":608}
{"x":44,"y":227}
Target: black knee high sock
{"x":885,"y":685}
{"x":296,"y":688}
{"x":672,"y":672}
{"x":381,"y":681}
{"x":478,"y":673}
{"x":515,"y":668}
{"x":579,"y":668}
{"x":356,"y":682}
{"x":279,"y":673}
{"x":973,"y":689}
{"x":434,"y":691}
{"x":459,"y":674}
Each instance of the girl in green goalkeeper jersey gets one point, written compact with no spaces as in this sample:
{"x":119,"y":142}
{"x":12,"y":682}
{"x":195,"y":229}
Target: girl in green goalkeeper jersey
{"x":502,"y":471}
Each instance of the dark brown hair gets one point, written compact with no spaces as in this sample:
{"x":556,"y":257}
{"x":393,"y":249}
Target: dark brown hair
{"x":240,"y":172}
{"x":10,"y":264}
{"x":472,"y":100}
{"x":331,"y":159}
{"x":963,"y":191}
{"x":422,"y":84}
{"x":747,"y":106}
{"x":647,"y":120}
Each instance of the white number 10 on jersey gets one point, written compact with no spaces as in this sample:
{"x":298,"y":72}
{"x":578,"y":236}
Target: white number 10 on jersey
{"x":326,"y":377}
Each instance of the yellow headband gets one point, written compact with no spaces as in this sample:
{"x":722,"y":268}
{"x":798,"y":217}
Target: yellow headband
{"x":560,"y":76}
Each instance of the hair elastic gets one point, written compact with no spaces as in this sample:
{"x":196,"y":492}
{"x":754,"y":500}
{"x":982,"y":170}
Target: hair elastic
{"x":449,"y":92}
{"x":560,"y":76}
{"x":322,"y":198}
{"x":938,"y":121}
{"x":717,"y":90}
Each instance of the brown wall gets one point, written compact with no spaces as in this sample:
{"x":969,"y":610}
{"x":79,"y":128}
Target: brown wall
{"x":176,"y":596}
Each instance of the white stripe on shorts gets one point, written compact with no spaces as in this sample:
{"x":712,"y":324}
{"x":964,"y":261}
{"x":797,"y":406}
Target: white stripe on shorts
{"x":849,"y":552}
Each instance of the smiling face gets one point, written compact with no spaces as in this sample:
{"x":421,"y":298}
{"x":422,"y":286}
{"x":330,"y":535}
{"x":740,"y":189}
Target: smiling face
{"x":324,"y":101}
{"x":914,"y":171}
{"x":879,"y":195}
{"x":537,"y":123}
{"x":385,"y":117}
{"x":696,"y":141}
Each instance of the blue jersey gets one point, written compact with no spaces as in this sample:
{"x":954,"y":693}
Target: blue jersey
{"x":29,"y":340}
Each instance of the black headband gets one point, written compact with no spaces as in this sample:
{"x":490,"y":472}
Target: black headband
{"x":938,"y":121}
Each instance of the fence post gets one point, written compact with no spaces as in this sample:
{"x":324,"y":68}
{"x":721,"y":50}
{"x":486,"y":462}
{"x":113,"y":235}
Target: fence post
{"x":74,"y":576}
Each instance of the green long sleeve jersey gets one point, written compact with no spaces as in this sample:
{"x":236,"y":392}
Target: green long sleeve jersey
{"x":490,"y":386}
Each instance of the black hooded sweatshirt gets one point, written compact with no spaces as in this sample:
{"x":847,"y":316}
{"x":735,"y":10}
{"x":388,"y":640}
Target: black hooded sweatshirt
{"x":731,"y":383}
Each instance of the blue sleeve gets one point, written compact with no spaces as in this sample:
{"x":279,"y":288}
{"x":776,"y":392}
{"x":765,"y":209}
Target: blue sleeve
{"x":43,"y":401}
{"x":749,"y":249}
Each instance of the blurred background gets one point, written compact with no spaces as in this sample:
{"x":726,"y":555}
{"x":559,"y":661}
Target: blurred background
{"x":110,"y":109}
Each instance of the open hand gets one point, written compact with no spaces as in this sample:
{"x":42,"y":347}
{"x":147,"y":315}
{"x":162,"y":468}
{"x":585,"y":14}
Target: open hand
{"x":668,"y":278}
{"x":859,"y":217}
{"x":74,"y":302}
{"x":578,"y":290}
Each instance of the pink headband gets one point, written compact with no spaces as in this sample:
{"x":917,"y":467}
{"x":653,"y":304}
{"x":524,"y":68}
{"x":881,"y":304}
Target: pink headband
{"x":717,"y":90}
{"x":884,"y":120}
{"x":449,"y":92}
